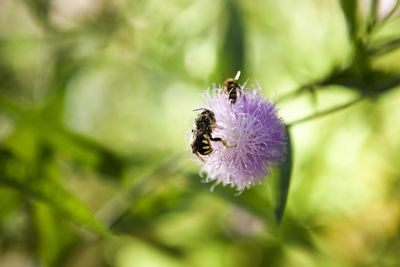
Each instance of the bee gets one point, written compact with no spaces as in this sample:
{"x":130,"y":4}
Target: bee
{"x":232,"y":88}
{"x":205,"y":123}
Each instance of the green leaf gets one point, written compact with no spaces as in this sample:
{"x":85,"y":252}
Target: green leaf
{"x":232,"y":50}
{"x":384,"y":47}
{"x":285,"y":172}
{"x":53,"y":237}
{"x":349,"y":8}
{"x":361,"y":64}
{"x":373,"y":14}
{"x":40,"y":10}
{"x":20,"y":176}
{"x":77,"y":148}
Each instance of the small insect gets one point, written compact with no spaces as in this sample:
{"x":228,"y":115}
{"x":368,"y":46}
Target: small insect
{"x":232,"y":88}
{"x":205,"y":123}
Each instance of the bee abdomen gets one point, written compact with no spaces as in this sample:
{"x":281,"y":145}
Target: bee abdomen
{"x":233,"y":95}
{"x":205,"y":150}
{"x":231,"y":87}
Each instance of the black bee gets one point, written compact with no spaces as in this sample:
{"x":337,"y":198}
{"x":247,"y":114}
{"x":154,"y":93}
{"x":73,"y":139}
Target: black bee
{"x":205,"y":123}
{"x":232,"y":88}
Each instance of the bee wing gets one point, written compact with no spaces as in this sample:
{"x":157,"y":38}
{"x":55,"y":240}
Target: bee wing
{"x":237,"y":76}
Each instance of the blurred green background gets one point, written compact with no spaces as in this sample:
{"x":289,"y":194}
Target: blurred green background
{"x":96,"y":101}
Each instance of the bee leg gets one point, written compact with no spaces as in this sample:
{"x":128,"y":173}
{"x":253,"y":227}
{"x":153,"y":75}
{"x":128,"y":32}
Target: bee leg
{"x":200,"y":158}
{"x":214,"y":125}
{"x":217,"y":139}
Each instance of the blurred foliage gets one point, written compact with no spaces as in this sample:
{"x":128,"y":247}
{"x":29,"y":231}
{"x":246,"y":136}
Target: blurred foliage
{"x":96,"y":101}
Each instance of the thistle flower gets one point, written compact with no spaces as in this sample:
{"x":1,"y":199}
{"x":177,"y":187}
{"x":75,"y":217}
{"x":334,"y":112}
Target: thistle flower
{"x":255,"y":135}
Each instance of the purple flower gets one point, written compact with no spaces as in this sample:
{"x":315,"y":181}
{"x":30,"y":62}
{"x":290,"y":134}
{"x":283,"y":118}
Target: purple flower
{"x":255,"y":135}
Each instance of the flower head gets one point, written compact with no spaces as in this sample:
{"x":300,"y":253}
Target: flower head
{"x":254,"y":137}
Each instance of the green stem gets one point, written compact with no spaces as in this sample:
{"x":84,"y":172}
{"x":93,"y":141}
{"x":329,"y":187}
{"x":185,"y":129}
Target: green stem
{"x":300,"y":90}
{"x":379,"y":25}
{"x":325,"y":112}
